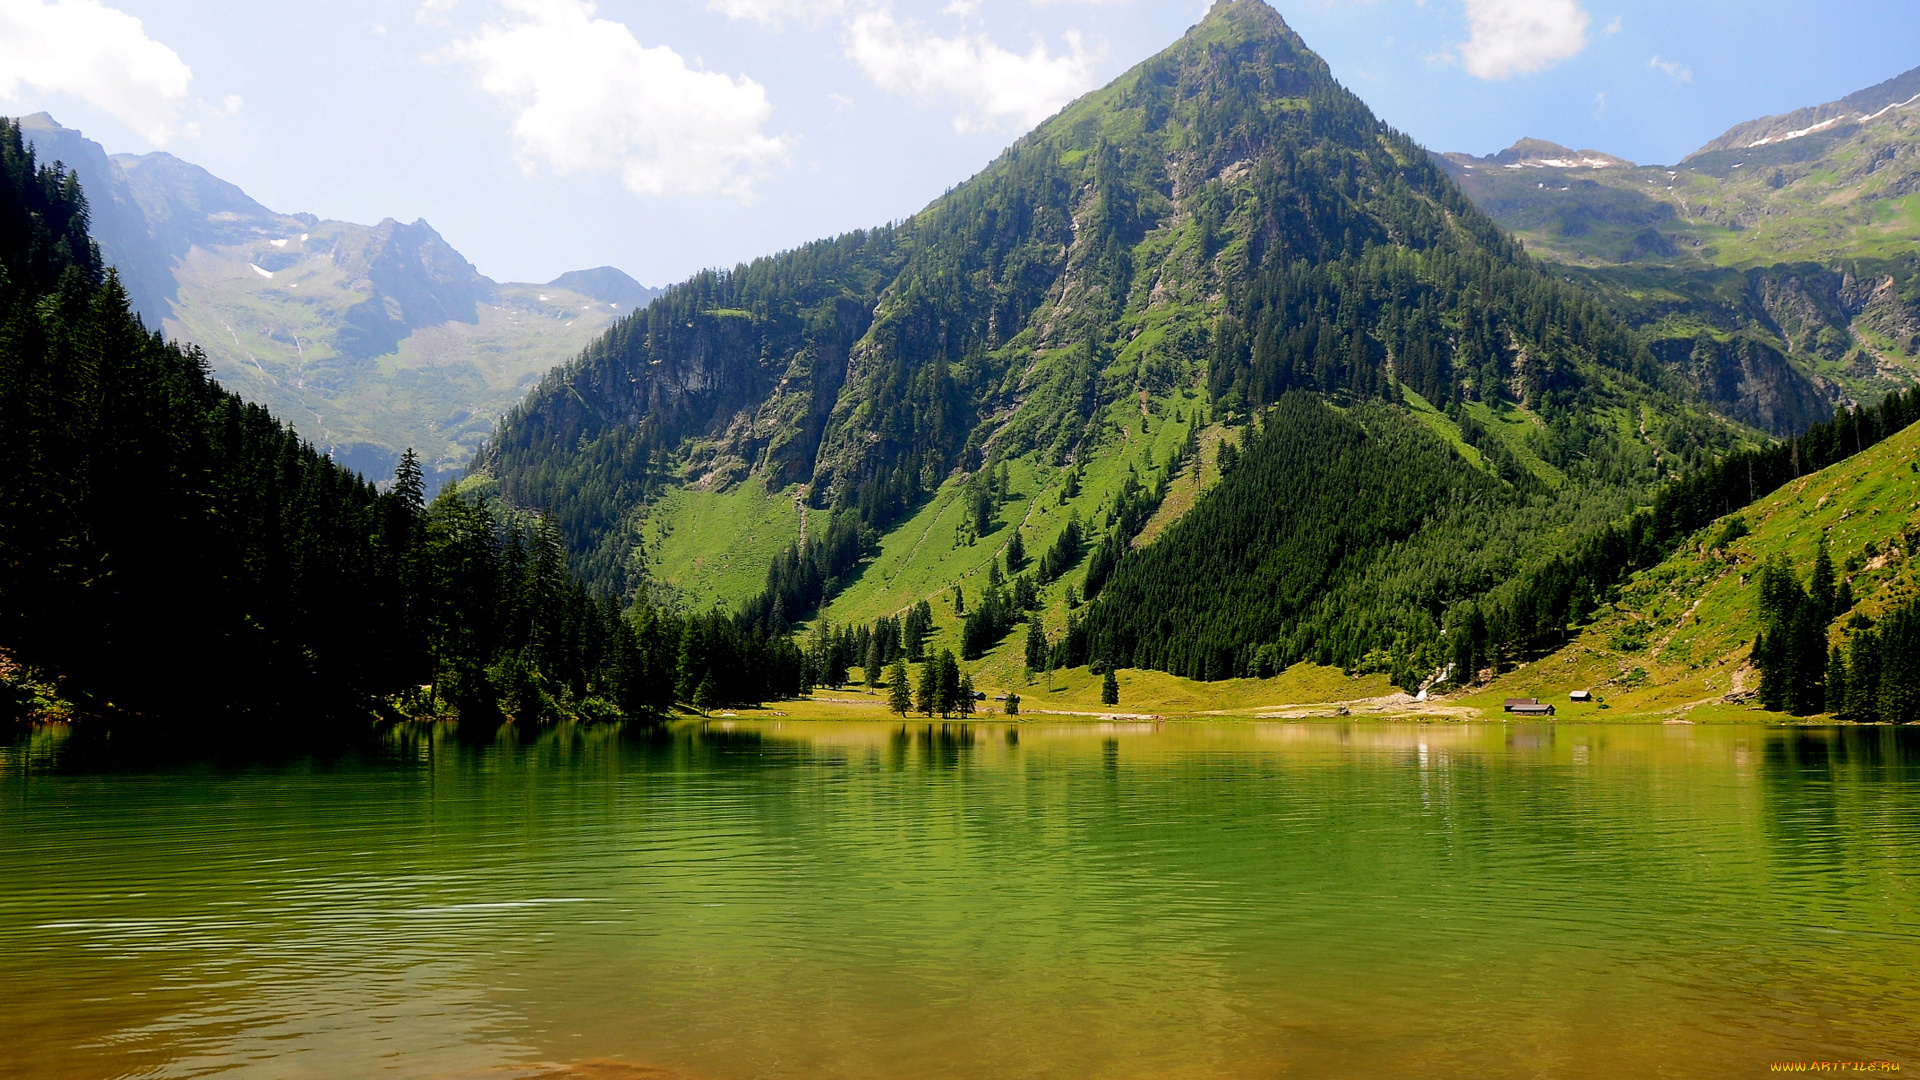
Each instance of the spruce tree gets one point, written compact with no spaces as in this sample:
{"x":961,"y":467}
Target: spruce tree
{"x":1110,"y":688}
{"x":1821,"y":588}
{"x":929,"y":698}
{"x":946,"y":682}
{"x":1837,"y":682}
{"x":964,"y":704}
{"x":1016,"y":553}
{"x":1036,"y":645}
{"x":899,"y":694}
{"x":409,"y":484}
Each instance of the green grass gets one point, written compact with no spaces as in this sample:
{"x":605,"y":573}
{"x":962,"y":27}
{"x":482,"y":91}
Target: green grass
{"x":1697,"y":612}
{"x":714,"y":547}
{"x":1440,"y":425}
{"x":1514,"y":427}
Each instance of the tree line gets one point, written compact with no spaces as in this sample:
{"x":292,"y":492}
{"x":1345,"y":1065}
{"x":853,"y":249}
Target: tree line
{"x":169,"y":552}
{"x":1542,"y":608}
{"x":1871,"y":676}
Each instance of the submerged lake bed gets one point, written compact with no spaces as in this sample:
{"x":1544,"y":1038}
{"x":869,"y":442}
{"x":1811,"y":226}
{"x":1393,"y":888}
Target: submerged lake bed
{"x":769,"y":897}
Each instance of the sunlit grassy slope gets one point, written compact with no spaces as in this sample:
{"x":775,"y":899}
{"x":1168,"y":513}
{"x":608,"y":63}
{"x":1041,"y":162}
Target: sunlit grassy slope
{"x":1678,"y":640}
{"x":714,"y":547}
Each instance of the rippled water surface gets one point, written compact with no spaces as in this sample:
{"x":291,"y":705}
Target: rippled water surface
{"x":767,"y":899}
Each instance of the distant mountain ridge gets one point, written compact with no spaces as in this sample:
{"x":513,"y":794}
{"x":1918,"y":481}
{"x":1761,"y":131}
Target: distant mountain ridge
{"x":369,"y":339}
{"x":1541,"y":154}
{"x":1863,"y":106}
{"x":1777,"y":267}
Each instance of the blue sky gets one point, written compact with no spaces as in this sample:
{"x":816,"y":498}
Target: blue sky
{"x":662,"y":136}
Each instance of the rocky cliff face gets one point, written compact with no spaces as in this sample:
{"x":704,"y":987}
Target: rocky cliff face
{"x":1746,"y":379}
{"x":414,"y":279}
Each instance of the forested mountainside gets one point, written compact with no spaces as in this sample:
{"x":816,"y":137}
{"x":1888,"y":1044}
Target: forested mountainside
{"x":1220,"y":227}
{"x":172,"y":555}
{"x":368,"y":339}
{"x":1798,"y":594}
{"x":1775,"y":267}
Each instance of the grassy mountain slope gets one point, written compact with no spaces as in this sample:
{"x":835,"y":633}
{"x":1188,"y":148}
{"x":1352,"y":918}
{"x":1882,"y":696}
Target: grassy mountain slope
{"x":1776,"y":266}
{"x":1677,"y":639}
{"x":1138,"y":278}
{"x":369,"y":339}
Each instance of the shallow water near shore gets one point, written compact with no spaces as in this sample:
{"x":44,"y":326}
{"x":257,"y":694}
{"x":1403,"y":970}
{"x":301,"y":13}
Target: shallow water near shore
{"x":816,"y":899}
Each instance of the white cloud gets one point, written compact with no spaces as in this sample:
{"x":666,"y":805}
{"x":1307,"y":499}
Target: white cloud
{"x":589,"y":97}
{"x":1515,"y":37}
{"x":95,"y":53}
{"x":993,"y":84}
{"x":776,"y":13}
{"x":1678,"y":72}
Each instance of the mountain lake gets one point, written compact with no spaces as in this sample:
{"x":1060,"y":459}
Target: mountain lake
{"x":775,"y":898}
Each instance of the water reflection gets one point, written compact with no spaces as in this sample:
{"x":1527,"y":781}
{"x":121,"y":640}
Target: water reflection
{"x":764,"y":897}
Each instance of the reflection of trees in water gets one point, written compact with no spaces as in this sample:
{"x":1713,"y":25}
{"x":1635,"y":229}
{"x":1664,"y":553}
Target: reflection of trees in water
{"x":945,"y":746}
{"x":1826,"y":791}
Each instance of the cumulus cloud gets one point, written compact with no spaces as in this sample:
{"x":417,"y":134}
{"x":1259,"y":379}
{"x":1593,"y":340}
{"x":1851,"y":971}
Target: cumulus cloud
{"x":95,"y":53}
{"x":588,"y":96}
{"x":777,"y":13}
{"x":1516,"y":37}
{"x":992,"y":84}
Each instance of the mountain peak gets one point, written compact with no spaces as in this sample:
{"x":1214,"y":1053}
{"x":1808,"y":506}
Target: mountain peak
{"x":1902,"y":92}
{"x":608,"y":283}
{"x":1541,"y":154}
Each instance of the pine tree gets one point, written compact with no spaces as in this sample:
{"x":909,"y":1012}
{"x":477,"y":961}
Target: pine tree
{"x":1036,"y":645}
{"x":1821,"y":588}
{"x":1110,"y":688}
{"x":876,"y":660}
{"x":899,"y":694}
{"x":946,"y":689}
{"x":928,"y":700}
{"x":1836,"y":682}
{"x":1016,"y":553}
{"x":409,"y":484}
{"x":964,"y":704}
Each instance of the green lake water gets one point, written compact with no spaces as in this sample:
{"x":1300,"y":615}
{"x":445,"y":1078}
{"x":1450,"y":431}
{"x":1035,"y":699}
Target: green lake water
{"x":866,"y":900}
